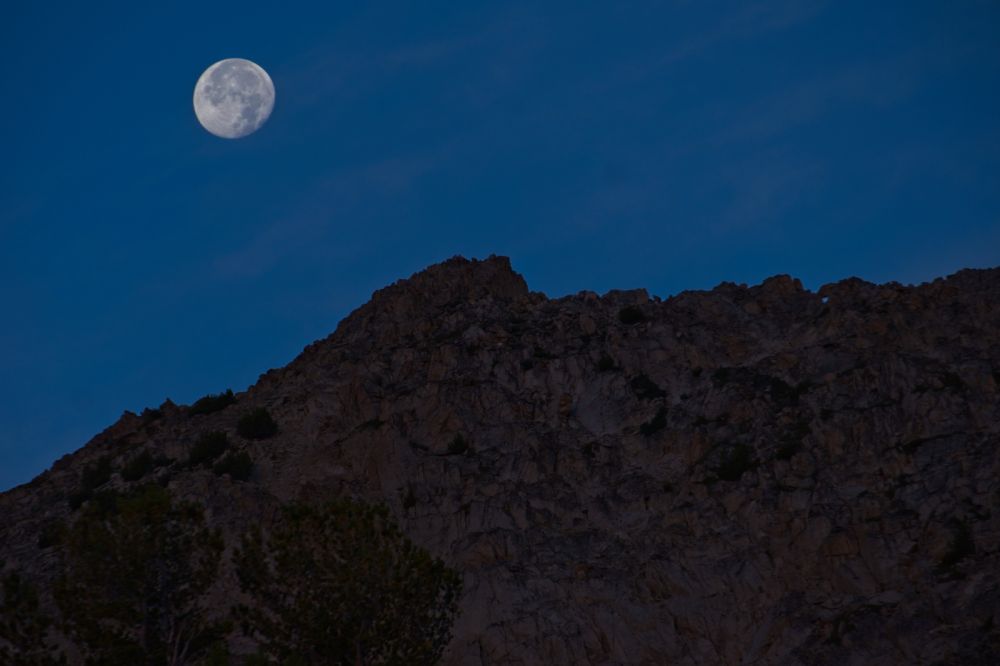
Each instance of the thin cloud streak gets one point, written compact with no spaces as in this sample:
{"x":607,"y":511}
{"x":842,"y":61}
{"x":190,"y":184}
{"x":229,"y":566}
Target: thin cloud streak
{"x":335,"y":200}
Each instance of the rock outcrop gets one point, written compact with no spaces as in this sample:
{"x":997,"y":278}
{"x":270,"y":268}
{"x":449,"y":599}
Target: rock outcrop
{"x":747,"y":475}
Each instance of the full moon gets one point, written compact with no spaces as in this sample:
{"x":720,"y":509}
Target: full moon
{"x":233,"y":98}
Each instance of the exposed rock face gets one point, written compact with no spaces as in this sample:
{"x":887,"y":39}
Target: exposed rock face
{"x":755,"y":475}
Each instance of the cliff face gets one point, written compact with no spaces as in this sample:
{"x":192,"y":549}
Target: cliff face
{"x":745,"y":475}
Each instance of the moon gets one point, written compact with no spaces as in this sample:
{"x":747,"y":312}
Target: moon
{"x":233,"y":98}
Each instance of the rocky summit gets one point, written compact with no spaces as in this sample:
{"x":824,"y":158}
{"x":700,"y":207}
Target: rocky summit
{"x":747,"y":475}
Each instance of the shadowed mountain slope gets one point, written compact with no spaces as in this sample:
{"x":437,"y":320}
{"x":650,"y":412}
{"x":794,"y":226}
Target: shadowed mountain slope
{"x":744,"y":475}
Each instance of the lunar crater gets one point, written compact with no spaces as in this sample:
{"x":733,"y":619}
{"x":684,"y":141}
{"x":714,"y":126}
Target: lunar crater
{"x":233,"y":98}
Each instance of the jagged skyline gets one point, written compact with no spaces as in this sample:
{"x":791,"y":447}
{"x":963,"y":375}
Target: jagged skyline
{"x":661,"y":145}
{"x":758,"y":475}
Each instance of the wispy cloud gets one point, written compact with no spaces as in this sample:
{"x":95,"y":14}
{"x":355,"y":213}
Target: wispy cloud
{"x":977,"y":249}
{"x":870,"y":86}
{"x":749,"y":21}
{"x":344,"y":205}
{"x":762,"y":188}
{"x":352,"y":70}
{"x":332,"y":205}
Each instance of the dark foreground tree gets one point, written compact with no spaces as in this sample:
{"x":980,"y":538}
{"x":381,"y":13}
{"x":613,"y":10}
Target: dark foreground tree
{"x":24,"y":627}
{"x":136,"y":568}
{"x":340,"y":584}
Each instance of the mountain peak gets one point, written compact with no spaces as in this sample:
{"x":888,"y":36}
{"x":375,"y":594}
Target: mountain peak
{"x":453,"y":280}
{"x":614,"y":465}
{"x":412,"y":305}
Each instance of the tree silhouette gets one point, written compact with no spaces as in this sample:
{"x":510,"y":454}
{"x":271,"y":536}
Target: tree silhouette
{"x":340,"y":584}
{"x":136,"y":568}
{"x":24,"y":627}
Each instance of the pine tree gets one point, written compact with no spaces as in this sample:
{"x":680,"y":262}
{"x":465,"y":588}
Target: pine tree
{"x":24,"y":627}
{"x":136,"y":568}
{"x":340,"y":584}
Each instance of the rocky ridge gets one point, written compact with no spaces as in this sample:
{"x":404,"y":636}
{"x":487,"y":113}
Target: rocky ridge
{"x":744,"y":475}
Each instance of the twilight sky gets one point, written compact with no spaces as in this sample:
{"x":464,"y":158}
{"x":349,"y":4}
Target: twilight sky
{"x":666,"y":145}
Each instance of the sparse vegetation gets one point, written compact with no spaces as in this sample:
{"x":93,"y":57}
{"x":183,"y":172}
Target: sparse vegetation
{"x":133,"y":577}
{"x":212,"y":402}
{"x":218,"y":655}
{"x":458,"y":446}
{"x":784,"y":393}
{"x":543,"y":354}
{"x":736,"y":461}
{"x":842,"y":625}
{"x":93,"y":477}
{"x":24,"y":627}
{"x":791,"y":440}
{"x":96,"y":475}
{"x":239,"y":466}
{"x":151,"y":414}
{"x":104,"y":501}
{"x":722,"y":376}
{"x":340,"y":584}
{"x":52,"y":534}
{"x":646,"y":388}
{"x":961,"y":547}
{"x":951,"y":381}
{"x":258,"y":424}
{"x":138,"y":467}
{"x":631,"y":314}
{"x":655,"y":424}
{"x":777,"y":388}
{"x":409,"y":499}
{"x":208,"y":447}
{"x":787,"y":450}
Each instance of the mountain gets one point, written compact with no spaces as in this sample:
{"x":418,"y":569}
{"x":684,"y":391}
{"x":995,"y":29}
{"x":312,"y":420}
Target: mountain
{"x":761,"y":475}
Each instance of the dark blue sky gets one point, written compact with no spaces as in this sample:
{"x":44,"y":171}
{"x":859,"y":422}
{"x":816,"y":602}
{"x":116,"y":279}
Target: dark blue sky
{"x":666,"y":145}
